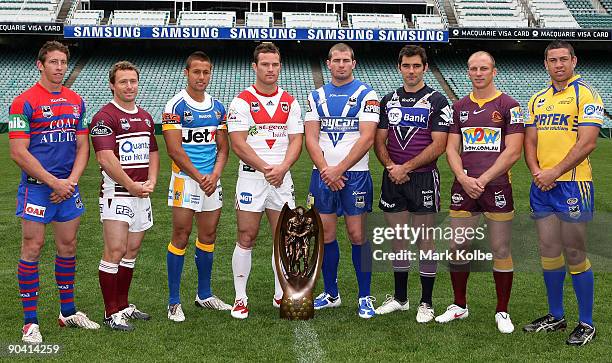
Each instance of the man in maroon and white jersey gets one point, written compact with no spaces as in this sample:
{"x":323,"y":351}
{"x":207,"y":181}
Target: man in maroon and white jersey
{"x":123,"y":137}
{"x":265,"y":127}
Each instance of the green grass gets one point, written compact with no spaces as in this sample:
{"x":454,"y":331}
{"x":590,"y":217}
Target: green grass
{"x":337,"y":335}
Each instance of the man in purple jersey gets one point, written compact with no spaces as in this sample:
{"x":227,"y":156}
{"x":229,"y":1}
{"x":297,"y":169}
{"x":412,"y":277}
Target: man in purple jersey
{"x":48,"y":141}
{"x":488,"y":127}
{"x":412,"y":133}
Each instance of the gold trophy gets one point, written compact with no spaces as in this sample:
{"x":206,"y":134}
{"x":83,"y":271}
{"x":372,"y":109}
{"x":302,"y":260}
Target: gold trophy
{"x":298,"y":255}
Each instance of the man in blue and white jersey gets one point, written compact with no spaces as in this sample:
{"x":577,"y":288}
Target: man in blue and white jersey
{"x":194,"y":128}
{"x":340,"y":125}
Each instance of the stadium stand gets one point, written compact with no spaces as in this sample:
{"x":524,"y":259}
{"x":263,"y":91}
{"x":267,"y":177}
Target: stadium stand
{"x":86,"y":17}
{"x":552,"y":14}
{"x":33,"y":11}
{"x":225,"y":19}
{"x":490,"y":13}
{"x":587,"y":16}
{"x":259,"y":19}
{"x":428,"y":21}
{"x":310,"y":20}
{"x":377,"y":21}
{"x":136,"y":17}
{"x":607,"y":4}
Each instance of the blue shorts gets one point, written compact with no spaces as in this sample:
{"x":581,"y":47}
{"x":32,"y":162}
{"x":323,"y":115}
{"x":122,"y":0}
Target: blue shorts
{"x":571,"y":201}
{"x":354,"y":199}
{"x":33,"y":204}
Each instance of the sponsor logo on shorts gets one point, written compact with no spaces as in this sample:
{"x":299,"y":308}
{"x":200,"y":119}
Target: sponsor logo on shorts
{"x":359,"y":201}
{"x":78,"y":203}
{"x":572,"y":201}
{"x":386,"y":204}
{"x":574,"y":211}
{"x":35,"y":210}
{"x":309,"y":201}
{"x":124,"y":210}
{"x":149,"y":214}
{"x":500,"y":200}
{"x":220,"y":194}
{"x":456,"y":198}
{"x":193,"y":199}
{"x":246,"y":198}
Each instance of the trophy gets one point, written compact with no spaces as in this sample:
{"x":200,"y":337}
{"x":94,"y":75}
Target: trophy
{"x":298,"y":255}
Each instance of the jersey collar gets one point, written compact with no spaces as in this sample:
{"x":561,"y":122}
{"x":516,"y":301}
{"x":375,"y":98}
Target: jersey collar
{"x":264,"y":94}
{"x":132,"y":112}
{"x":47,"y":91}
{"x":482,"y":101}
{"x":569,"y":83}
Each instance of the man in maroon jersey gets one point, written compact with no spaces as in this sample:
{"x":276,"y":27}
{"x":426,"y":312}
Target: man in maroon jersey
{"x":123,"y":137}
{"x":488,"y":128}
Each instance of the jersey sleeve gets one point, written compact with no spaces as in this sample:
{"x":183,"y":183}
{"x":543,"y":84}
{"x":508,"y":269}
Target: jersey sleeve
{"x":383,"y":122}
{"x":590,"y":108}
{"x":370,"y":108}
{"x":295,"y":124}
{"x":311,"y":109}
{"x":103,"y":132}
{"x":171,"y":119}
{"x":530,"y":121}
{"x":513,"y":116}
{"x":222,"y":116}
{"x":454,"y":126}
{"x":238,"y":116}
{"x":20,"y":114}
{"x":81,"y":128}
{"x":442,"y":114}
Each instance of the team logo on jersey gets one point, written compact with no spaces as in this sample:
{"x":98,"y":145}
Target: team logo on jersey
{"x":284,"y":107}
{"x":255,"y":106}
{"x":372,"y":106}
{"x":487,"y":139}
{"x":500,"y":200}
{"x":540,"y":102}
{"x":46,"y":111}
{"x":76,"y":112}
{"x":516,"y":115}
{"x":125,"y":124}
{"x":218,"y":115}
{"x":496,"y":117}
{"x":463,"y":116}
{"x":148,"y":122}
{"x":187,"y":117}
{"x":352,"y":101}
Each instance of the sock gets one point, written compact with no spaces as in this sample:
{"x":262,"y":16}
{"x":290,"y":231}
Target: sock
{"x":124,"y":280}
{"x":554,"y":275}
{"x":401,"y":285}
{"x":204,"y":262}
{"x":278,"y":290}
{"x":65,"y":268}
{"x":362,"y":262}
{"x":503,"y":273}
{"x":459,"y":278}
{"x":583,"y":281}
{"x":107,"y":274}
{"x":27,"y":276}
{"x":331,"y":260}
{"x":241,"y":267}
{"x":175,"y":258}
{"x":427,"y":273}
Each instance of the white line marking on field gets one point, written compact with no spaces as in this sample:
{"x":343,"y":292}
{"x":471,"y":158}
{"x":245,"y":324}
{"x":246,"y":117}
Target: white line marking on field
{"x":306,"y":345}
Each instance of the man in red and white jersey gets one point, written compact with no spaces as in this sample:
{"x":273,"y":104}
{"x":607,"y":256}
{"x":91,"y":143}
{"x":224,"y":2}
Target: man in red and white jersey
{"x":123,"y":137}
{"x":265,"y":128}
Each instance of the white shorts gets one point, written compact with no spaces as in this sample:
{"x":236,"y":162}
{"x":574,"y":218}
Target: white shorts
{"x":257,"y":195}
{"x":135,"y":211}
{"x":185,"y":192}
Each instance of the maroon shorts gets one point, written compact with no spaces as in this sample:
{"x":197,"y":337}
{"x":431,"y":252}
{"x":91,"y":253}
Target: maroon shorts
{"x":496,"y":202}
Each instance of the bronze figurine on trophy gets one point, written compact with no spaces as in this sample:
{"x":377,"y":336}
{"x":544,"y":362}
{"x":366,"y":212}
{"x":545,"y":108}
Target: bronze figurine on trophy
{"x":298,"y":254}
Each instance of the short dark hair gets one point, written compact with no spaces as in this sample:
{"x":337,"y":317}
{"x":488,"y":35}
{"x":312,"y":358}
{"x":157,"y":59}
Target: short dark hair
{"x":197,"y":55}
{"x":51,"y":46}
{"x":122,"y":66}
{"x":412,"y":50}
{"x":340,"y":47}
{"x":265,"y":47}
{"x":558,"y":44}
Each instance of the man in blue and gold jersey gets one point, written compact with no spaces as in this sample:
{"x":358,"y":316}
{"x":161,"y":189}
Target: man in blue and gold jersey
{"x":562,"y":131}
{"x":196,"y":137}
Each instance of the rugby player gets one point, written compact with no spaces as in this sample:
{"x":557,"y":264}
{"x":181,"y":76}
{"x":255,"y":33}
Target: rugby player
{"x":265,"y":129}
{"x":123,"y":137}
{"x":340,"y":127}
{"x":488,"y":127}
{"x":411,"y":135}
{"x":565,"y":118}
{"x":193,"y":125}
{"x":48,"y":141}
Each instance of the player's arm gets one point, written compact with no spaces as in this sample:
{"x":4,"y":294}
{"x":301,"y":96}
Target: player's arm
{"x":505,"y":160}
{"x":173,"y":135}
{"x":380,"y":147}
{"x":238,"y":128}
{"x":311,"y":130}
{"x":153,"y":171}
{"x":453,"y":157}
{"x":210,"y":180}
{"x":111,"y":165}
{"x":82,"y":157}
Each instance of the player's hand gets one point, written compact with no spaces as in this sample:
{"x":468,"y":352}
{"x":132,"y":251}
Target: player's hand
{"x":140,"y":190}
{"x":471,"y":186}
{"x":55,"y":198}
{"x":209,"y":183}
{"x":149,"y":186}
{"x":339,"y":185}
{"x":64,"y":188}
{"x":398,"y":173}
{"x":545,"y":179}
{"x":275,"y":174}
{"x":331,"y":174}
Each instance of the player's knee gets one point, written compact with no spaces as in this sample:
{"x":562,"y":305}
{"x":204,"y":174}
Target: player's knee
{"x":574,"y":256}
{"x":180,"y":235}
{"x":247,"y":238}
{"x":356,"y":236}
{"x":67,"y":247}
{"x":207,"y":238}
{"x":31,"y":248}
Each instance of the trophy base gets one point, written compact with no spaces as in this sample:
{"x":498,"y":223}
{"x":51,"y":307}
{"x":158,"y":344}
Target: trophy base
{"x":297,"y":308}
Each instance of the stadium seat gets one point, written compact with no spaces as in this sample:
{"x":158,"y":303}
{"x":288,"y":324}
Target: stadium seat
{"x":376,"y":21}
{"x":225,"y":19}
{"x":310,"y":20}
{"x":137,"y":17}
{"x":86,"y":17}
{"x":38,"y":11}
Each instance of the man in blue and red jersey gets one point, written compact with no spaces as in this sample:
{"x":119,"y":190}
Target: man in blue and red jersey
{"x":411,"y":135}
{"x":485,"y":139}
{"x":48,"y":141}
